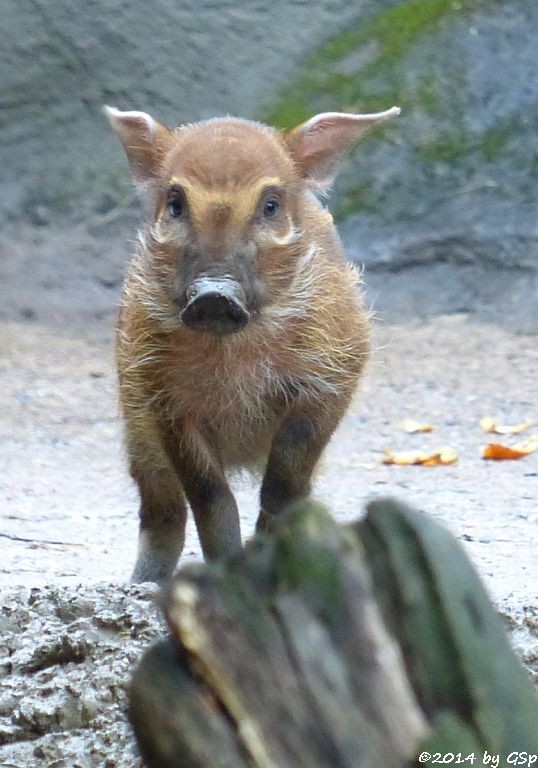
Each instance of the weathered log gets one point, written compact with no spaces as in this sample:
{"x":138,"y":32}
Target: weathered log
{"x":324,"y":645}
{"x":457,"y":654}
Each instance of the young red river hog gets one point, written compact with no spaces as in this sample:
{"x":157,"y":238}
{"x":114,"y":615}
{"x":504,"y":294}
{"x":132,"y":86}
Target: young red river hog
{"x":242,"y":334}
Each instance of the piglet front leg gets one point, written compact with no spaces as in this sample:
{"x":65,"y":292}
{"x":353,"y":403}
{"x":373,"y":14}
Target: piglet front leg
{"x":295,"y":451}
{"x":206,"y":488}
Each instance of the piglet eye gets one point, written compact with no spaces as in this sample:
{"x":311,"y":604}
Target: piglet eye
{"x":177,"y":203}
{"x":175,"y":208}
{"x":270,"y":208}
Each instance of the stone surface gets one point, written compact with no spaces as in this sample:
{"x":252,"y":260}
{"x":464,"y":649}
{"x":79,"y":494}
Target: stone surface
{"x":182,"y":61}
{"x":447,"y":191}
{"x":454,"y":178}
{"x":66,"y":656}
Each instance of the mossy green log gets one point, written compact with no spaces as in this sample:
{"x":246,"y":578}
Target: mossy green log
{"x":321,"y":644}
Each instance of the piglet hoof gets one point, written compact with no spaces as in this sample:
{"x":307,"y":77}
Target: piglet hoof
{"x":154,"y":569}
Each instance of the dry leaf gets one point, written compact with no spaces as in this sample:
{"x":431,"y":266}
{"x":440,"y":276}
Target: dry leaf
{"x":498,"y":452}
{"x":412,"y":427}
{"x":443,"y":455}
{"x":529,"y":445}
{"x":490,"y":425}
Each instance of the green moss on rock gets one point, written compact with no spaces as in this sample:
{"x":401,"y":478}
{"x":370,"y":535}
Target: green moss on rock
{"x":359,"y":196}
{"x":446,"y":147}
{"x":428,"y":95}
{"x":359,"y":68}
{"x":451,"y":146}
{"x":373,"y":65}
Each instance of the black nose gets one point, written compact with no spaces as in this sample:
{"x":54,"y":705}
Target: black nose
{"x":216,"y":305}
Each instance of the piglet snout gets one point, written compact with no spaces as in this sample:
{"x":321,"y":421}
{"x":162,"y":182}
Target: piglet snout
{"x":216,"y":305}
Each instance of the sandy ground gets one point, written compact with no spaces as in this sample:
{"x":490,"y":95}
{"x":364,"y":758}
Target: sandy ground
{"x":69,"y":507}
{"x":68,"y":510}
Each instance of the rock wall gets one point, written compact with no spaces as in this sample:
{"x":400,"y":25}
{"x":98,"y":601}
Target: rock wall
{"x":187,"y":60}
{"x":455,"y":178}
{"x":451,"y":183}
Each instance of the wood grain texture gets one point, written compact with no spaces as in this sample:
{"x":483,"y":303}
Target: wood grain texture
{"x":326,"y":645}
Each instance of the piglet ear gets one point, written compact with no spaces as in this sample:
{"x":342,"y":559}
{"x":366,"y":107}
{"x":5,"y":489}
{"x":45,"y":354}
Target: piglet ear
{"x":144,"y":140}
{"x":319,"y":145}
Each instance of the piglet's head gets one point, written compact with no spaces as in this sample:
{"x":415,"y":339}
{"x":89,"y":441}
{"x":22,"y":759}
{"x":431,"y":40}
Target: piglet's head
{"x":226,"y":205}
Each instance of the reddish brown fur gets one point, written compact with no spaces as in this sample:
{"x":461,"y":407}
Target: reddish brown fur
{"x":196,"y":403}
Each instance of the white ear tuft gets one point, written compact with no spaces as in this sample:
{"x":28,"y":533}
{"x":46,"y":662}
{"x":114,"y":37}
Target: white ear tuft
{"x":144,"y":140}
{"x":121,"y":120}
{"x":364,"y":122}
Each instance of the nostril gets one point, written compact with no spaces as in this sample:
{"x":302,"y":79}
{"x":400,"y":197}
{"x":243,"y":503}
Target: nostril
{"x":198,"y":312}
{"x":215,"y":310}
{"x":215,"y":305}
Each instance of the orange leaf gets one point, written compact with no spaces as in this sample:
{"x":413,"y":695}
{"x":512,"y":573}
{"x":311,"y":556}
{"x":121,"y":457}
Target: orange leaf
{"x":498,"y":452}
{"x":442,"y":456}
{"x":411,"y":426}
{"x":490,"y":425}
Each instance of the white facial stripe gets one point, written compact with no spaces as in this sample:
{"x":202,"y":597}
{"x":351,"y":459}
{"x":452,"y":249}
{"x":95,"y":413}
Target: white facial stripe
{"x":291,"y":236}
{"x":163,"y":236}
{"x":307,"y":257}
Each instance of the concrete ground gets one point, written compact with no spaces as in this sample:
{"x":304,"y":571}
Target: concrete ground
{"x":69,"y":507}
